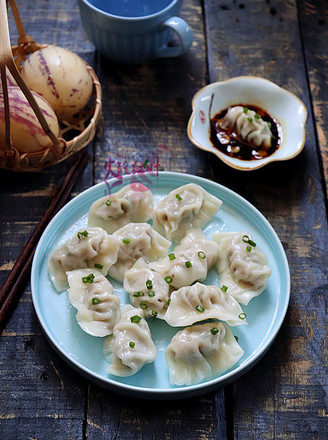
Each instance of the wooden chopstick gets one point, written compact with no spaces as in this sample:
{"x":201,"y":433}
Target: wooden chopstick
{"x":14,"y":282}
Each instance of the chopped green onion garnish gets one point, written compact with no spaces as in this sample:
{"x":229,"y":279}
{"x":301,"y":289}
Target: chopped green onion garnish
{"x":149,"y":284}
{"x":257,"y":116}
{"x":143,"y":306}
{"x":200,"y":309}
{"x":245,"y":110}
{"x":137,"y":294}
{"x":136,"y":319}
{"x":82,"y":234}
{"x":188,"y":264}
{"x":178,"y":197}
{"x":248,"y":248}
{"x":126,"y":241}
{"x":242,"y":316}
{"x":95,"y":301}
{"x":132,"y":344}
{"x":246,"y":239}
{"x":250,"y":119}
{"x":168,"y":279}
{"x":214,"y":330}
{"x":145,"y":163}
{"x":201,"y":255}
{"x":88,"y":279}
{"x":168,"y":302}
{"x":108,"y":202}
{"x":98,"y":266}
{"x":151,"y":293}
{"x":154,"y":313}
{"x":237,"y":339}
{"x":224,"y":288}
{"x":171,"y":257}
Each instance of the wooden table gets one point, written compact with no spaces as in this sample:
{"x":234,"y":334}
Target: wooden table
{"x":145,"y":112}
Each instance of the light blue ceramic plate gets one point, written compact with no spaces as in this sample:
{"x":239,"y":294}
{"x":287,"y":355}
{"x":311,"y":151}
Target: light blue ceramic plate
{"x":265,"y":313}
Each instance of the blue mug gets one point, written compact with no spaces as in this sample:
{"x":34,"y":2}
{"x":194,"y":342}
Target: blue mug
{"x":135,"y":31}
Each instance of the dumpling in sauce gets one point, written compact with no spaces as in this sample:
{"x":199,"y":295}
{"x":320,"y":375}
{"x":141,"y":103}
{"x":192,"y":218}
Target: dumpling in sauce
{"x":248,"y":126}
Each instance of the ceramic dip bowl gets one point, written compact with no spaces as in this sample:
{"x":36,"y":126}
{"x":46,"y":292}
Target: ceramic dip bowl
{"x":283,"y":107}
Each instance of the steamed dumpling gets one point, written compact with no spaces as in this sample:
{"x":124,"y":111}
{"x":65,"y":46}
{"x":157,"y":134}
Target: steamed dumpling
{"x":242,"y":265}
{"x":248,"y":127}
{"x":190,"y":261}
{"x":147,"y":289}
{"x":136,"y":240}
{"x":98,"y":308}
{"x":132,"y":203}
{"x":131,"y":346}
{"x":201,"y":352}
{"x":186,"y":207}
{"x":90,"y":247}
{"x":199,"y":302}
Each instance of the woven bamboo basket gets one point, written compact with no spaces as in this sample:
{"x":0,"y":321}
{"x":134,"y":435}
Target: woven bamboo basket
{"x":74,"y":134}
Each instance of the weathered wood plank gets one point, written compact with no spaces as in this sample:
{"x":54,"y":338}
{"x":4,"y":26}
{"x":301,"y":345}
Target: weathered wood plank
{"x":284,"y":395}
{"x":313,"y":17}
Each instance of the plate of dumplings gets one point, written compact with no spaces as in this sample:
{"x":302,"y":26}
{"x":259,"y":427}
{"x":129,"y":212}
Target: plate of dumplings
{"x":164,"y":287}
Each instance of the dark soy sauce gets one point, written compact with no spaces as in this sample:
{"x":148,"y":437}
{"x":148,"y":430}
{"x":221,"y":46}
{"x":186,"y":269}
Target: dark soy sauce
{"x":230,"y":144}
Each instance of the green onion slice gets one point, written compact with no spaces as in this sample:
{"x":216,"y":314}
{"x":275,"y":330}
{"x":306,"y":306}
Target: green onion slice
{"x":214,"y":330}
{"x":178,"y":197}
{"x":108,"y":202}
{"x":136,"y":319}
{"x":143,"y":306}
{"x":88,"y":279}
{"x":257,"y":116}
{"x":188,"y":264}
{"x":200,"y":309}
{"x":246,"y":239}
{"x":248,"y":248}
{"x":168,"y":279}
{"x":201,"y":255}
{"x":154,"y":313}
{"x":137,"y":294}
{"x":250,"y":119}
{"x":149,"y":284}
{"x":126,"y":241}
{"x":82,"y":234}
{"x":99,"y":266}
{"x":224,"y":288}
{"x":132,"y":344}
{"x":245,"y":110}
{"x":95,"y":301}
{"x":151,"y":293}
{"x":171,"y":257}
{"x":242,"y":316}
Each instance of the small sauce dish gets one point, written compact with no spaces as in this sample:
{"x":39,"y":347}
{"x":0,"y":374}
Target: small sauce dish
{"x":283,"y":106}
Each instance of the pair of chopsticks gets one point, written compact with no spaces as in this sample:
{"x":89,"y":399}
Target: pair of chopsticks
{"x":17,"y":277}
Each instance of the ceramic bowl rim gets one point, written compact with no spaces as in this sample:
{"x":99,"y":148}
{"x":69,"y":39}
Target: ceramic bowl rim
{"x":226,"y":159}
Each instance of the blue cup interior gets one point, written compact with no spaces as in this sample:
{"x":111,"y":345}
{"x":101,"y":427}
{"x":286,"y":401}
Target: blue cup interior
{"x":131,"y":8}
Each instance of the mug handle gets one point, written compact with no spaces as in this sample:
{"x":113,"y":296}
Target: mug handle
{"x":183,"y":31}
